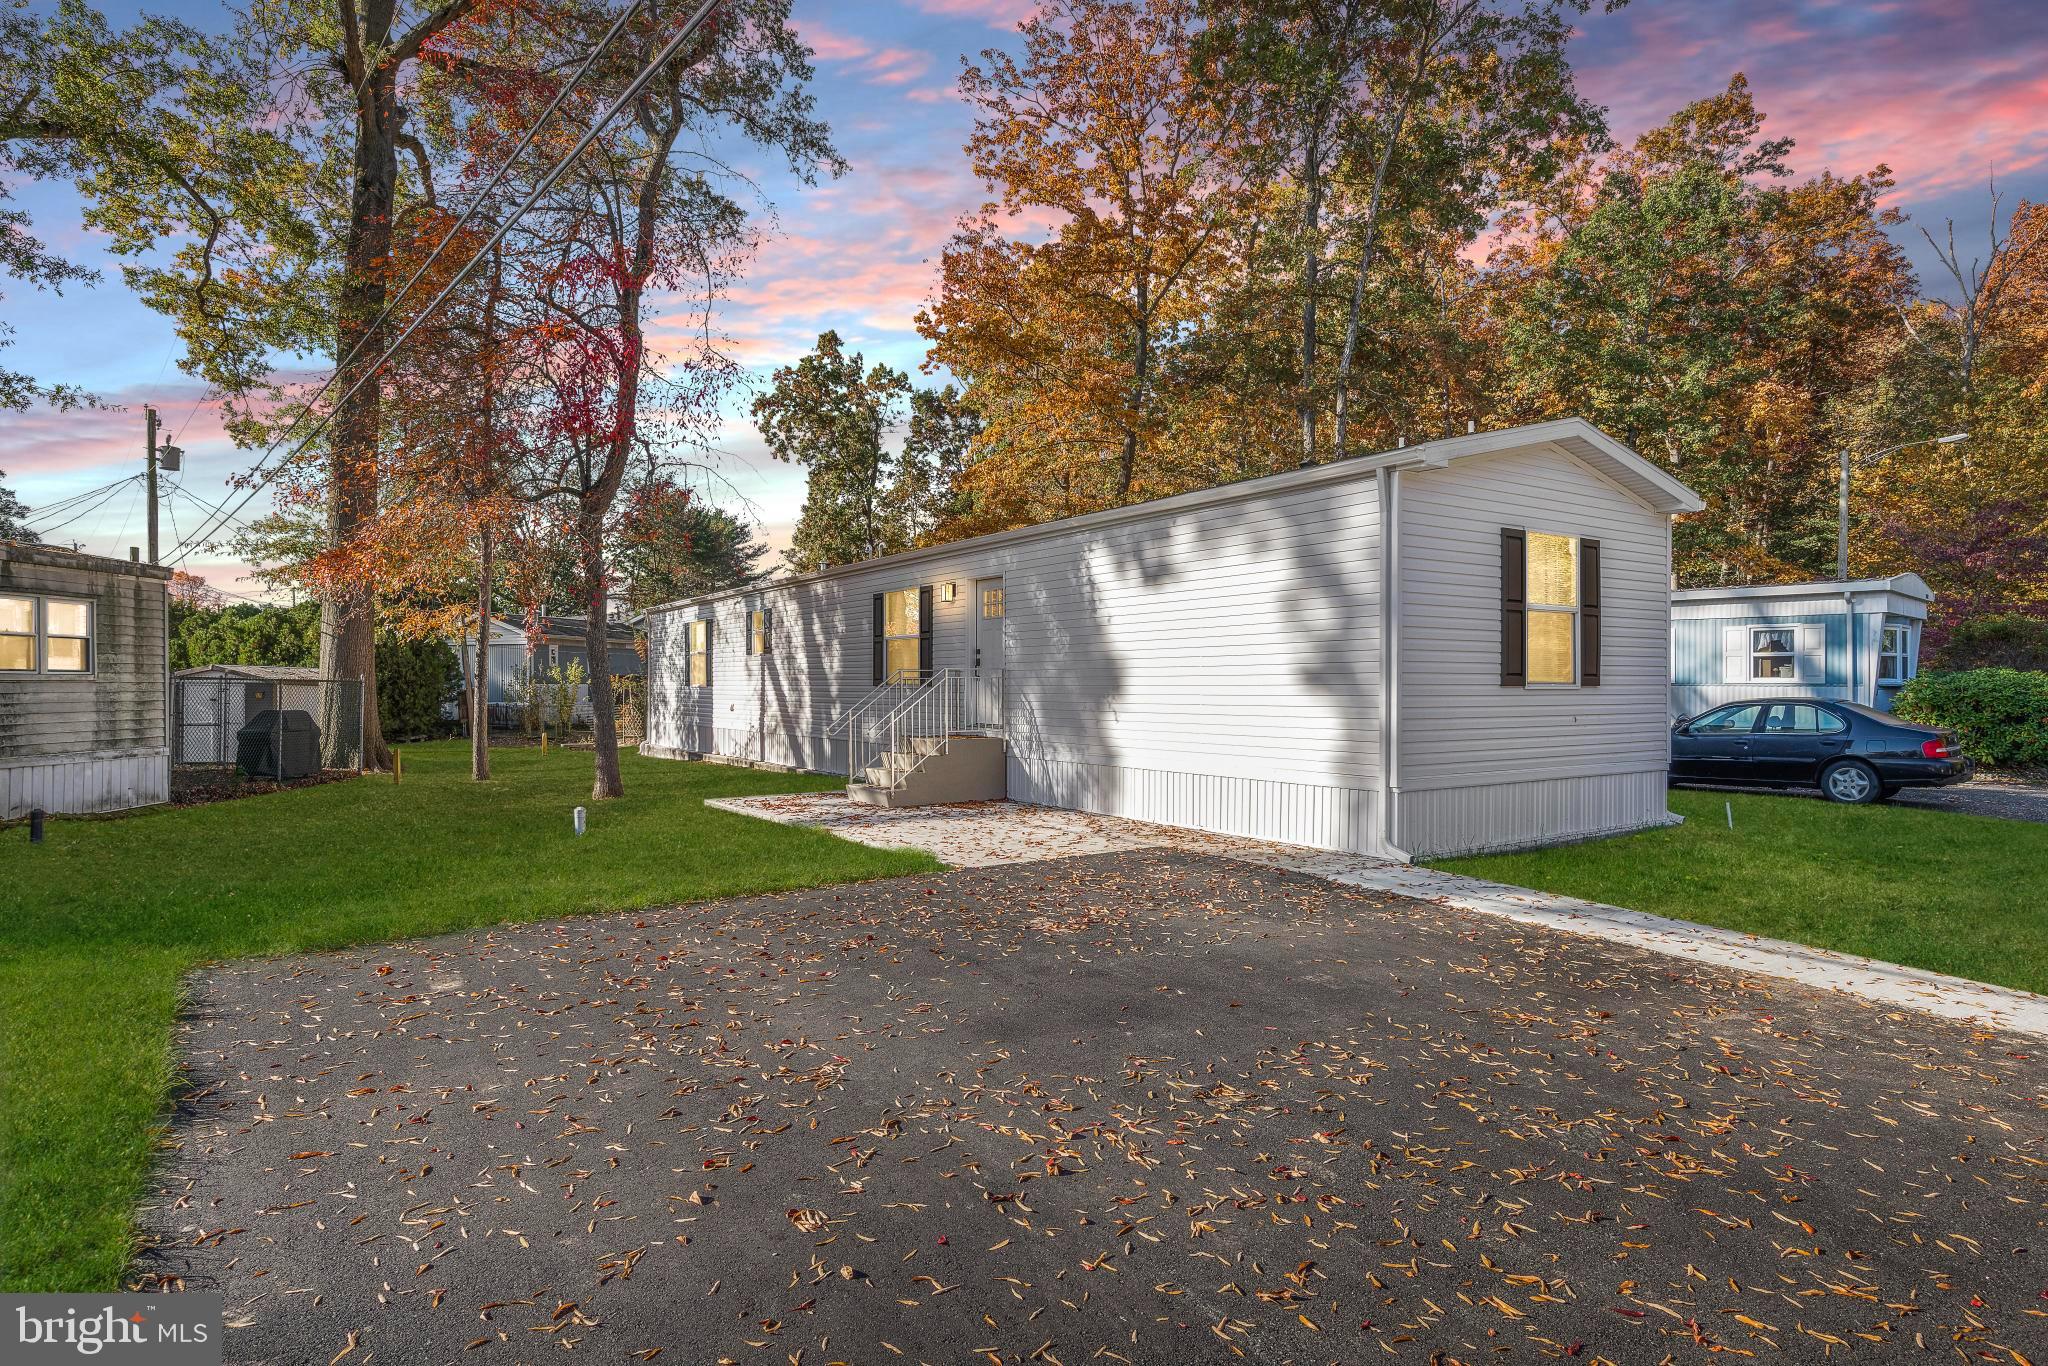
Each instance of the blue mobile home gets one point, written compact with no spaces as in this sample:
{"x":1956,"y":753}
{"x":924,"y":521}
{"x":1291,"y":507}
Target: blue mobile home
{"x":1856,"y":641}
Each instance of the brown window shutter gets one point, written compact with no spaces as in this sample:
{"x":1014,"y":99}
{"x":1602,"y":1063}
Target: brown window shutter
{"x":924,"y":630}
{"x":710,"y":646}
{"x":1514,"y":607}
{"x":767,"y":630}
{"x":1589,"y":613}
{"x":881,"y":651}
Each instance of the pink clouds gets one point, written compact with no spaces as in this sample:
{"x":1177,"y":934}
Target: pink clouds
{"x":47,"y":444}
{"x":876,"y":65}
{"x":1945,"y":92}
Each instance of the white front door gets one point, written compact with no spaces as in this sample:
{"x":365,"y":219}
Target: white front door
{"x":988,"y":653}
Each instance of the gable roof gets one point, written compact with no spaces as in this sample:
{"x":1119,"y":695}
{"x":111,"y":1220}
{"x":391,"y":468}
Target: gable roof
{"x":1630,"y":472}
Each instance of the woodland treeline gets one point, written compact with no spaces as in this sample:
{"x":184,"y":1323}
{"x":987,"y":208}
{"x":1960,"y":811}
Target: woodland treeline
{"x":1232,"y":237}
{"x":1221,"y":238}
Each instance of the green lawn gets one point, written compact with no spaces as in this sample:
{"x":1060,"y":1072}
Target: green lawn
{"x":104,"y":920}
{"x":1932,"y":889}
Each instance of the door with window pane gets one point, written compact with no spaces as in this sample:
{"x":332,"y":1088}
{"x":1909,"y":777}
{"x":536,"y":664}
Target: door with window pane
{"x":988,"y":653}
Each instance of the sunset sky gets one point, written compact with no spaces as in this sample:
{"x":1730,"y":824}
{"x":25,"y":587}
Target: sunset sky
{"x":1946,"y":92}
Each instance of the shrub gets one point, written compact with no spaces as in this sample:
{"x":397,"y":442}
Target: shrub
{"x":2000,"y":716}
{"x":2003,"y":641}
{"x":416,"y":679}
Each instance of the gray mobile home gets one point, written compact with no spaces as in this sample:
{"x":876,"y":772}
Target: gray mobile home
{"x":84,"y":677}
{"x":1454,"y":646}
{"x":1857,"y":641}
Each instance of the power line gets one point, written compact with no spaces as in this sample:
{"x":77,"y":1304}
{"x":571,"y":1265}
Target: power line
{"x":61,"y":504}
{"x":476,"y":202}
{"x":108,"y":492}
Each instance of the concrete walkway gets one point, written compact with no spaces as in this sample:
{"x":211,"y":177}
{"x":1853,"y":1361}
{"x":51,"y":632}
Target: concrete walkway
{"x":986,"y":834}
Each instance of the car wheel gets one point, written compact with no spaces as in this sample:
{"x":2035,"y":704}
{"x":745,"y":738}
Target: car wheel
{"x":1850,"y":782}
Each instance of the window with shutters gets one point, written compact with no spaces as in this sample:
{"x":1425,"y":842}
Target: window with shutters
{"x":1553,"y":606}
{"x":902,"y":633}
{"x":1774,"y":653}
{"x":699,"y":643}
{"x":757,"y":631}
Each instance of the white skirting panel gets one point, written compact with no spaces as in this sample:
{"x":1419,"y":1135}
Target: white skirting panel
{"x":804,"y":753}
{"x":1259,"y":808}
{"x":80,"y":783}
{"x":1441,"y":822}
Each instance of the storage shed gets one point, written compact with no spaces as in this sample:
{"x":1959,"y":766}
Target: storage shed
{"x":1857,"y":641}
{"x":1455,"y":646}
{"x":83,"y":682}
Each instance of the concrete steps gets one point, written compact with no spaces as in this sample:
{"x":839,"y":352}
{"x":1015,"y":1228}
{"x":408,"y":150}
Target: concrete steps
{"x":971,"y":768}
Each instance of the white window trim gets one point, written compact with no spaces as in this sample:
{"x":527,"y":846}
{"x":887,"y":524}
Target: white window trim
{"x":1530,"y":607}
{"x":1755,"y":654}
{"x":39,"y":635}
{"x":1885,"y":677}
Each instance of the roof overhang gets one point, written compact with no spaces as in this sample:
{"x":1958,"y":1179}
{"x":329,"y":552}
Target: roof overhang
{"x":1908,"y":585}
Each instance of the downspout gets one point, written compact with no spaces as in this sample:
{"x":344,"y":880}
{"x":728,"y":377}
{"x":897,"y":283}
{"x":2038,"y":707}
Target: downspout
{"x":1389,"y":487}
{"x":1849,"y":611}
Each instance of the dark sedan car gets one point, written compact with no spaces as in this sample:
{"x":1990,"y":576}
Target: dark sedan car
{"x":1851,"y":753}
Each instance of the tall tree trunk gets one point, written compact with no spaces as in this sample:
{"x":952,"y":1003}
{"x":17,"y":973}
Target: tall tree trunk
{"x":1311,"y":282}
{"x":480,"y":700}
{"x":348,"y":622}
{"x":1141,"y":377}
{"x":1365,"y":250}
{"x":604,"y":721}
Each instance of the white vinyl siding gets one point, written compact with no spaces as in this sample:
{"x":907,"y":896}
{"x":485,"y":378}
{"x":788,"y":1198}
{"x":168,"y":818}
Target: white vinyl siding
{"x":1217,"y":669}
{"x":1217,"y":664}
{"x":1570,"y":761}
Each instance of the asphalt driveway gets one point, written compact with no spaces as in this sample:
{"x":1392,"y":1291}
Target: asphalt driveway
{"x":1141,"y":1107}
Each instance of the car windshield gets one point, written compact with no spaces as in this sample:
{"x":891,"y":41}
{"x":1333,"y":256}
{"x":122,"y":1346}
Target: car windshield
{"x":1867,"y":713}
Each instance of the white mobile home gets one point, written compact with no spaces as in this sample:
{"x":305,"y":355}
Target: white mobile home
{"x":1857,"y":641}
{"x":1456,"y":646}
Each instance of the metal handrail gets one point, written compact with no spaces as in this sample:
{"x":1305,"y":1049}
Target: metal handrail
{"x":931,"y":712}
{"x":843,"y":723}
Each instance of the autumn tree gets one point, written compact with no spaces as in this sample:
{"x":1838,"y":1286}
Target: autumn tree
{"x":1971,"y":517}
{"x":1679,"y":295}
{"x":1102,"y":130}
{"x":644,"y":218}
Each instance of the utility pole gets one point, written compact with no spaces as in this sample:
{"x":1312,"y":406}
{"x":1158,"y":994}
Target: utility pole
{"x":166,"y":457}
{"x":149,"y":425}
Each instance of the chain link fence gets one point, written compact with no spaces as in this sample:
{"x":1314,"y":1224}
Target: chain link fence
{"x":268,"y":728}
